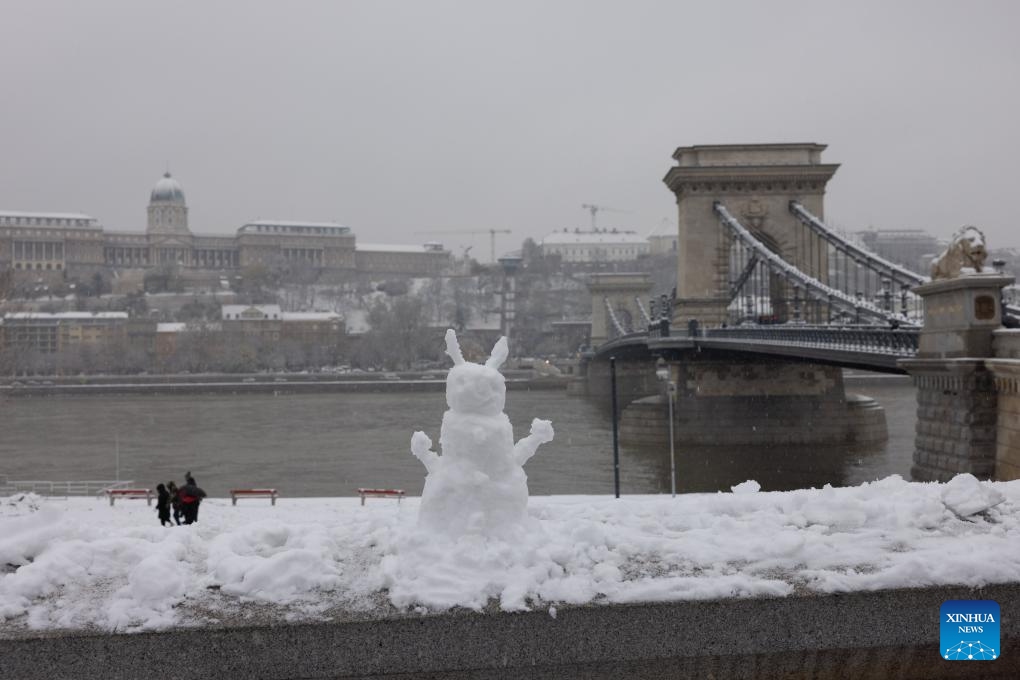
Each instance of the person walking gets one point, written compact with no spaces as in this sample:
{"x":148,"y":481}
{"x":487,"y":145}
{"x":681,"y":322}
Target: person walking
{"x":191,"y":496}
{"x":163,"y":505}
{"x":175,"y":502}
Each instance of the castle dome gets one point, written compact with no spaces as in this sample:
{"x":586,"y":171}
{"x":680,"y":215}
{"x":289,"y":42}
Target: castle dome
{"x":167,"y":189}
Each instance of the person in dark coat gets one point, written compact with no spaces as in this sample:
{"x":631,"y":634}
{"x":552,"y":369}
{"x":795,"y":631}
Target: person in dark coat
{"x":163,"y":505}
{"x":175,"y":502}
{"x":191,"y":496}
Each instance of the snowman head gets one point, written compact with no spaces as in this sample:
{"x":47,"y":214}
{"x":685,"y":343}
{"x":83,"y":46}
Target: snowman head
{"x":475,"y":388}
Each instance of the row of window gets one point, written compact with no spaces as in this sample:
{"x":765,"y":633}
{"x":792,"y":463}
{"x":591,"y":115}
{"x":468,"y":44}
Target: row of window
{"x":38,"y":250}
{"x":17,"y":220}
{"x":593,"y":254}
{"x":39,"y":265}
{"x":287,"y":229}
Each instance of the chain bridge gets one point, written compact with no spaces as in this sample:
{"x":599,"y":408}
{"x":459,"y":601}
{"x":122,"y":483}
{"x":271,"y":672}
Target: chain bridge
{"x":760,"y":272}
{"x":770,"y":304}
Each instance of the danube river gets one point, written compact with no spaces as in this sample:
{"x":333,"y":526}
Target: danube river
{"x":330,"y":444}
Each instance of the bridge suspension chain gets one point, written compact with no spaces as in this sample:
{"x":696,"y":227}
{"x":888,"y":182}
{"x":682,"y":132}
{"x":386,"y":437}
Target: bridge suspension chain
{"x":877,"y":264}
{"x":620,"y":330}
{"x":812,"y":287}
{"x":644,"y":312}
{"x":870,"y":260}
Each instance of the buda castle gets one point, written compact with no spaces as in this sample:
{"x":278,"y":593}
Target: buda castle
{"x":63,"y":246}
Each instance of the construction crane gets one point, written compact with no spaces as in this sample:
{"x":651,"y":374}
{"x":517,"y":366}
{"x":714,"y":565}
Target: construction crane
{"x":491,"y":232}
{"x":593,"y":209}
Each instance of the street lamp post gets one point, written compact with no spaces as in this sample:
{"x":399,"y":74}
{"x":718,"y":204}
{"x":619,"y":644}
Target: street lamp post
{"x":616,"y":433}
{"x":662,"y":373}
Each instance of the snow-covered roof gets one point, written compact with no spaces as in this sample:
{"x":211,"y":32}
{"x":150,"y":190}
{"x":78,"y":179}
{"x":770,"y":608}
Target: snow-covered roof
{"x":293,"y":223}
{"x":250,"y":311}
{"x":565,"y":238}
{"x":311,"y":316}
{"x":291,"y":227}
{"x":8,"y":217}
{"x":170,"y":327}
{"x":81,"y":316}
{"x":398,"y":248}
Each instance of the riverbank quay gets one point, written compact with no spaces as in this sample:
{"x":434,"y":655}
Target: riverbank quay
{"x":272,"y":384}
{"x":879,"y":635}
{"x":804,"y":583}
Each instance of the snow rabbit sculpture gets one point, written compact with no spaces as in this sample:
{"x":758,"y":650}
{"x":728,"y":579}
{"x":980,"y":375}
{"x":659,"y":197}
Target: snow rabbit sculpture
{"x":478,"y":485}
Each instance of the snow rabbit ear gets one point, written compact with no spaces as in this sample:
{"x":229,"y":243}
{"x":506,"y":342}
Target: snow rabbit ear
{"x":453,"y":347}
{"x":499,"y":353}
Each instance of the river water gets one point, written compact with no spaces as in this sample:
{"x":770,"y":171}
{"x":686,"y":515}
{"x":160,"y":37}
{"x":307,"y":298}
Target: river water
{"x":330,"y":444}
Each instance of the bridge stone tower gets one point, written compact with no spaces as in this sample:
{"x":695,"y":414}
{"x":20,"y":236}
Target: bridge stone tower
{"x":756,"y":183}
{"x":620,"y":291}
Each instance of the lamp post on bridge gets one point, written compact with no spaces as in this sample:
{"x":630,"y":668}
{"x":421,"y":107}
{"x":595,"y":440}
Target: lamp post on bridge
{"x":662,"y":372}
{"x":887,"y":295}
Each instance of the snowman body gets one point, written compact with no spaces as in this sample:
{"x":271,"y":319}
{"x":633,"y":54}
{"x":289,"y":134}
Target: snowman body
{"x":478,"y":484}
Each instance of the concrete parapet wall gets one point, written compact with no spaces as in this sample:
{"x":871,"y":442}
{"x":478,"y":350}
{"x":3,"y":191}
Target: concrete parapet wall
{"x":884,"y":634}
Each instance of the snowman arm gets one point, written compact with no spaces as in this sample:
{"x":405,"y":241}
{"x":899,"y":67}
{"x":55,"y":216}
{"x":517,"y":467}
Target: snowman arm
{"x":421,"y":447}
{"x":541,"y":432}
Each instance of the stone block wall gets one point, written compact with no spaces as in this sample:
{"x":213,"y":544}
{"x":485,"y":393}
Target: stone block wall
{"x":730,"y":421}
{"x":956,"y":419}
{"x":1006,"y":368}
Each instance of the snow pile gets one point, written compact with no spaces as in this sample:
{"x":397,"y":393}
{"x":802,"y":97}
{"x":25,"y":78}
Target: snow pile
{"x":966,"y":496}
{"x":79,"y":563}
{"x":478,"y":485}
{"x":750,"y":486}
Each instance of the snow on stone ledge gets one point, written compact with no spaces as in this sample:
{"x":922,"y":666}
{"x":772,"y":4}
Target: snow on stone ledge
{"x":81,"y":564}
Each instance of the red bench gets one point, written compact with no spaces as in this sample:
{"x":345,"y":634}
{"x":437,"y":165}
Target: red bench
{"x":380,"y":493}
{"x":252,"y":493}
{"x":114,"y":494}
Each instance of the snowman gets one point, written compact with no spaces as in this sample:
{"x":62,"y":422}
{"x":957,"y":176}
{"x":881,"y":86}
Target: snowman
{"x":478,"y":485}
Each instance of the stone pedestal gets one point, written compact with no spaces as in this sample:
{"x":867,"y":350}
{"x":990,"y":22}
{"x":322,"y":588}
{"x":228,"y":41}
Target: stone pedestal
{"x":957,"y":405}
{"x":960,"y":315}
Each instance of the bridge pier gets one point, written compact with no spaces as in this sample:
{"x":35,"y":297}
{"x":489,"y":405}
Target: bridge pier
{"x":731,"y":402}
{"x":958,"y":411}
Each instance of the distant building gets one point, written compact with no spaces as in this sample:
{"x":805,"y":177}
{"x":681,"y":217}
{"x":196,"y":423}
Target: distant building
{"x":51,"y":333}
{"x":270,"y":324}
{"x":49,"y":244}
{"x":50,"y":247}
{"x":910,"y":248}
{"x":663,"y":244}
{"x":428,"y":259}
{"x":594,"y":247}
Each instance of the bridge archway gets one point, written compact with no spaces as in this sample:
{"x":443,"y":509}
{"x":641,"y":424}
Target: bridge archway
{"x":614,"y":302}
{"x":756,"y":182}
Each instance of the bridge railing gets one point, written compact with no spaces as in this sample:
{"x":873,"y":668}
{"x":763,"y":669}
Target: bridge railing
{"x":896,"y":341}
{"x":44,"y":487}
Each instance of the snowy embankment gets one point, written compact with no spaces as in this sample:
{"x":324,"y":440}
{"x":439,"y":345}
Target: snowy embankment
{"x":81,"y":564}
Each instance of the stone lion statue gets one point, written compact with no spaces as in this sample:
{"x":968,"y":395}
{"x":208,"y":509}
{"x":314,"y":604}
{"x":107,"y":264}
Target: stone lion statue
{"x":966,"y":254}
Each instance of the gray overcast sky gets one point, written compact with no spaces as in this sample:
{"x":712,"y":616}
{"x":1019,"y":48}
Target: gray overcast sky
{"x":400,"y":117}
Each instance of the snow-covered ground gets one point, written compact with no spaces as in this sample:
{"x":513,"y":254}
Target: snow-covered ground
{"x":81,"y":564}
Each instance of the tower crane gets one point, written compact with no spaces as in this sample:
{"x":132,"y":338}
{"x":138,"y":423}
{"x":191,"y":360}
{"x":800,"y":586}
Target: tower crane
{"x":594,"y":209}
{"x":491,"y":232}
